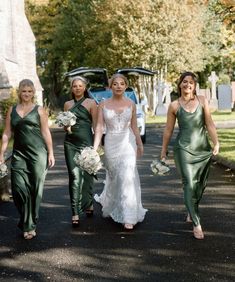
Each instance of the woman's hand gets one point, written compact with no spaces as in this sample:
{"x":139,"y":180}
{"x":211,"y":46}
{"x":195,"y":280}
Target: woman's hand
{"x":216,"y":149}
{"x":67,"y":128}
{"x":140,"y":150}
{"x":51,"y":160}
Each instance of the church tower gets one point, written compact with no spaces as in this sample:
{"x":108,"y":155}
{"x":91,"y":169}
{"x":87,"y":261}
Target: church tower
{"x":17,"y":49}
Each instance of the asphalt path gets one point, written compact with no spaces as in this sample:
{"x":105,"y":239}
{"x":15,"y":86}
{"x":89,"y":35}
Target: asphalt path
{"x":161,"y":248}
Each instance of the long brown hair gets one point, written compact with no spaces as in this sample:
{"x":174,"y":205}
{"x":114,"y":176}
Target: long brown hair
{"x":183,"y":75}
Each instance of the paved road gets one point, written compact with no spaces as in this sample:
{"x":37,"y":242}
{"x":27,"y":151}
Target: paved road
{"x":159,"y":249}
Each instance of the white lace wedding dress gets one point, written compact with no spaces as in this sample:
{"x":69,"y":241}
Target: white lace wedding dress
{"x":121,"y":197}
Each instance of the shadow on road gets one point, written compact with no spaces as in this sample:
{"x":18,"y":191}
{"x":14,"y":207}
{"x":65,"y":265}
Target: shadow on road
{"x":159,"y":249}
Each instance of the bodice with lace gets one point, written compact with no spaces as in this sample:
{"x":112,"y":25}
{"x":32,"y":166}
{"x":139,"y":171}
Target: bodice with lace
{"x":117,"y":122}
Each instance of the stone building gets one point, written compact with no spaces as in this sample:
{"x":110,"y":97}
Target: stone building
{"x":17,"y":49}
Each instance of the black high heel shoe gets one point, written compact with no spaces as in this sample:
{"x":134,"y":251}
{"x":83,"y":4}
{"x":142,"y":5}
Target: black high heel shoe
{"x":75,"y":222}
{"x":89,"y":212}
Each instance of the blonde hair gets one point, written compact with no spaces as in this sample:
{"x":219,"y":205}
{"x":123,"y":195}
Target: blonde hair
{"x":84,"y":81}
{"x":23,"y":83}
{"x":116,"y":75}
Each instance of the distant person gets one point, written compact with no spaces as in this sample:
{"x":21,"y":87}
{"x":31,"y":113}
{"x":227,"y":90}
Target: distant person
{"x":31,"y":156}
{"x":80,"y":182}
{"x":192,"y":150}
{"x":121,"y":197}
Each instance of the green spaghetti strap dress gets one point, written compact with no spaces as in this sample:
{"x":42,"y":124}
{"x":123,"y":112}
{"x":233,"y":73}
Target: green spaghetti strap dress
{"x":28,"y":167}
{"x":80,"y":182}
{"x":192,"y":154}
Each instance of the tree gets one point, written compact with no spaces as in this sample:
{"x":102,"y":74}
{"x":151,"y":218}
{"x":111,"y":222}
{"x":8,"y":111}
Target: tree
{"x":161,"y":35}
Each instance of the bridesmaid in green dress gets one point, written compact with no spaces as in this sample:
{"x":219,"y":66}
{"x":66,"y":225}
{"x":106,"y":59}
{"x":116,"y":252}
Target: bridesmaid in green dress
{"x":192,"y":150}
{"x":32,"y":155}
{"x":80,"y":182}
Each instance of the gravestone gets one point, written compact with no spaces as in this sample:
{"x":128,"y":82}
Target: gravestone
{"x":213,"y":102}
{"x":224,"y":97}
{"x":161,"y":108}
{"x":233,"y":93}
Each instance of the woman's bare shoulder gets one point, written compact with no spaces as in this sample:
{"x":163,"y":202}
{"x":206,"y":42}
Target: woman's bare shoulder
{"x":174,"y":105}
{"x":201,"y":99}
{"x":68,"y":104}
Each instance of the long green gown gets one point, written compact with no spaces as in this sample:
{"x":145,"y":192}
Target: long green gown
{"x":28,"y":167}
{"x":192,"y":154}
{"x":80,"y":182}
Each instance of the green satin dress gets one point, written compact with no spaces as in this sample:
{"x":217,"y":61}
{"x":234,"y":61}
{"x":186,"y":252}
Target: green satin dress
{"x":80,"y":182}
{"x":192,"y":154}
{"x":28,"y":167}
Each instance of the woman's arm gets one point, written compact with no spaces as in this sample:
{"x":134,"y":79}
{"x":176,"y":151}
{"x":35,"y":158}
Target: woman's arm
{"x":135,"y":129}
{"x":93,"y":111}
{"x":99,"y":128}
{"x":169,"y":128}
{"x":6,"y":136}
{"x":46,"y":135}
{"x":210,"y":126}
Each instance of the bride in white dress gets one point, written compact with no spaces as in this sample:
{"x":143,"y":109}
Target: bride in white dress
{"x":121,"y":197}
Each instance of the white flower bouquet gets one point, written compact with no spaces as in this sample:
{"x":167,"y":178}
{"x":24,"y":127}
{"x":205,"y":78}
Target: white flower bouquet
{"x":3,"y":170}
{"x":159,"y":167}
{"x":89,"y":160}
{"x":66,"y":119}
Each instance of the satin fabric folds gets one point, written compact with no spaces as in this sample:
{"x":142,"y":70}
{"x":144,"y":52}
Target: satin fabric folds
{"x":80,"y":182}
{"x":28,"y":167}
{"x":192,"y":154}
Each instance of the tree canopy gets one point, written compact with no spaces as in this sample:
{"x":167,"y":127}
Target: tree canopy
{"x":169,"y":36}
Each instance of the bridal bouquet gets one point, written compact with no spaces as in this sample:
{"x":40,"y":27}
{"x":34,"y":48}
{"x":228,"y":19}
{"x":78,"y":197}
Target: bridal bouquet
{"x":3,"y":170}
{"x":159,"y":167}
{"x":89,"y":160}
{"x":66,"y":119}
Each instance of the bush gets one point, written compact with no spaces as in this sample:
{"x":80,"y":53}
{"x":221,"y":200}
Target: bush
{"x":6,"y":103}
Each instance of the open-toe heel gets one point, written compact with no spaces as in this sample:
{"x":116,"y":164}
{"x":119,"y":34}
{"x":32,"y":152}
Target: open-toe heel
{"x":198,"y":233}
{"x":188,"y":218}
{"x":128,"y":226}
{"x":29,"y":235}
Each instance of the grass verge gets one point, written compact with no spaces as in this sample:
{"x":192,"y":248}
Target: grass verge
{"x":227,"y":143}
{"x":216,"y":116}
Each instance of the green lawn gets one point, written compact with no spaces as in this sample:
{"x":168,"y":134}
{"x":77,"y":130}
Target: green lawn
{"x":227,"y":143}
{"x":217,"y":116}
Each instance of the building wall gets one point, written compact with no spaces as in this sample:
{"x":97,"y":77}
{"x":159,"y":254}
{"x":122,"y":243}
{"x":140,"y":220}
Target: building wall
{"x":17,"y":49}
